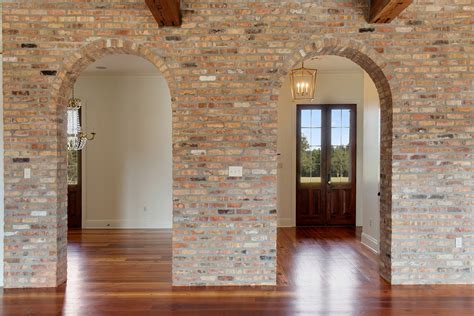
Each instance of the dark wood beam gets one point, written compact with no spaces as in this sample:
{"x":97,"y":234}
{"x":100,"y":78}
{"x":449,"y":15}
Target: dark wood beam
{"x":384,"y":11}
{"x":165,"y":12}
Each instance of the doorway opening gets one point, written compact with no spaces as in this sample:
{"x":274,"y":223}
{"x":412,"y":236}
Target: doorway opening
{"x":329,"y":151}
{"x":122,"y":178}
{"x":120,"y":184}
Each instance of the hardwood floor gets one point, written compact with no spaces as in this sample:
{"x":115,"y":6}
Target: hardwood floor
{"x":321,"y":271}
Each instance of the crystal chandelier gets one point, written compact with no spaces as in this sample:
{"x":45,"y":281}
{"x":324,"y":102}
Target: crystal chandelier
{"x":76,"y":138}
{"x":303,"y":83}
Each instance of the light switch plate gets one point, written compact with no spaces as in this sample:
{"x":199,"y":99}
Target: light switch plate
{"x":27,"y":173}
{"x":459,"y":242}
{"x":236,"y":171}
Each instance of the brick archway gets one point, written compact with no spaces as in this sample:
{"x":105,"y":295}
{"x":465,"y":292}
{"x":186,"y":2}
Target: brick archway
{"x":376,"y":68}
{"x":49,"y":267}
{"x":77,"y":62}
{"x":73,"y":66}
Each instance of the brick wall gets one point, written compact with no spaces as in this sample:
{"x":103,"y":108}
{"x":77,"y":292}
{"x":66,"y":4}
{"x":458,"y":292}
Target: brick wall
{"x":224,"y":67}
{"x":1,"y":152}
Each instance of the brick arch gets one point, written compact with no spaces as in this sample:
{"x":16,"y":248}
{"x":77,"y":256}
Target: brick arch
{"x":380,"y":73}
{"x":72,"y":68}
{"x":77,"y":62}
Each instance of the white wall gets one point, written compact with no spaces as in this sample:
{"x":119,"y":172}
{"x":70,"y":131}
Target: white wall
{"x":338,"y":87}
{"x":371,"y":162}
{"x":127,"y":169}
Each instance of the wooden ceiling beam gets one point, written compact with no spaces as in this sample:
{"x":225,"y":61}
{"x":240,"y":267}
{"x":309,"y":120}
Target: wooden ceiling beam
{"x":384,"y":11}
{"x":165,"y":12}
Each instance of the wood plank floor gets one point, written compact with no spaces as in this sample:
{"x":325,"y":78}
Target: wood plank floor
{"x":321,"y":271}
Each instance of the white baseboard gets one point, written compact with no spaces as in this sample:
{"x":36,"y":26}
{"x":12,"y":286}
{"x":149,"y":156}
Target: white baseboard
{"x":286,"y":222}
{"x":370,"y":242}
{"x":113,"y":224}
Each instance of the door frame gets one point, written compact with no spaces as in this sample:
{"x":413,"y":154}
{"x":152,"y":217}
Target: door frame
{"x":325,"y":127}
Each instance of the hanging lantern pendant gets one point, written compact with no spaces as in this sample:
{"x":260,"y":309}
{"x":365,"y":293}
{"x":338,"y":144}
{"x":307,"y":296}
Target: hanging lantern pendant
{"x":303,"y":83}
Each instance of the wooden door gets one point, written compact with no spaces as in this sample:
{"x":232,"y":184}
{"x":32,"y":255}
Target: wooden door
{"x":74,"y":190}
{"x":326,"y":165}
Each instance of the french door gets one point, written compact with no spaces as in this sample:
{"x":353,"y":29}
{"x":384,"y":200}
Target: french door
{"x":74,"y":189}
{"x":326,"y":165}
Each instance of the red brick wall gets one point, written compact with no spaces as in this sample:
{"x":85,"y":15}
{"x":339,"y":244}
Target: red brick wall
{"x":224,"y":67}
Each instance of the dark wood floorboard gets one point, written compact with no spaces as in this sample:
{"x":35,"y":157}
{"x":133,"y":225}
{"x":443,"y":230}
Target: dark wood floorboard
{"x":321,"y":271}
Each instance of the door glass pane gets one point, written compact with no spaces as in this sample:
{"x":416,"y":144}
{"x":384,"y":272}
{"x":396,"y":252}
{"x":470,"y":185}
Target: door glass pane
{"x":340,"y":163}
{"x":306,"y":118}
{"x":336,"y":118}
{"x":310,"y":165}
{"x":345,"y":136}
{"x":306,"y":135}
{"x":72,"y":167}
{"x":316,"y":118}
{"x":346,"y":114}
{"x":335,"y":136}
{"x":340,"y":150}
{"x":310,"y":146}
{"x":316,"y":137}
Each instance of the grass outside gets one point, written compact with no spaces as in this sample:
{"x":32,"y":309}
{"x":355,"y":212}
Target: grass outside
{"x":318,"y":179}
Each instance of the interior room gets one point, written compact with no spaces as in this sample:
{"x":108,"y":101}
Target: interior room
{"x":126,"y":170}
{"x":339,"y":82}
{"x":244,"y":157}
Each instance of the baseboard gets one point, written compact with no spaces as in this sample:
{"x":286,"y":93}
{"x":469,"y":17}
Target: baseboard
{"x":370,"y":242}
{"x":286,"y":222}
{"x":114,"y":224}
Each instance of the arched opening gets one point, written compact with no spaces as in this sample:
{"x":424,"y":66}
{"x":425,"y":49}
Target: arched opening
{"x":122,"y":179}
{"x":52,"y":255}
{"x":348,"y":120}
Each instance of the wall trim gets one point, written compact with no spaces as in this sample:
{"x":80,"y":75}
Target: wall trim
{"x":286,"y":222}
{"x":370,"y":242}
{"x":122,"y":224}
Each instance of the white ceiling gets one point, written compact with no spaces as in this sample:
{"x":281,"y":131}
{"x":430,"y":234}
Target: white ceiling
{"x":122,"y":64}
{"x":330,"y":63}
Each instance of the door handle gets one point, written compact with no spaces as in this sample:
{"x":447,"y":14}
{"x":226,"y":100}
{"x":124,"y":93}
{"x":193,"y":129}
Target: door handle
{"x":329,"y":179}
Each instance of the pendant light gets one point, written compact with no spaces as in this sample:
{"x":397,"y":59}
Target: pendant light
{"x":303,"y":83}
{"x":76,"y":138}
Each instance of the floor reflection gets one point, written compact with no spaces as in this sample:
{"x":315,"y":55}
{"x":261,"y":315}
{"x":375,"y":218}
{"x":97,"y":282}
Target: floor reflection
{"x":321,"y":271}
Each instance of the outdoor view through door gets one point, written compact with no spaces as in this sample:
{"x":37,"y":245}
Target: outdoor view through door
{"x":326,"y":165}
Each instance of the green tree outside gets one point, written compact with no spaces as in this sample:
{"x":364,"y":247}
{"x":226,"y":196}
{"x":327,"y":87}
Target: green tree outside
{"x":310,"y":161}
{"x":340,"y":161}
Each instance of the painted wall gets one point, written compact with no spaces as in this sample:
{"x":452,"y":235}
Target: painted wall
{"x":127,"y":169}
{"x":332,"y":88}
{"x":371,"y":166}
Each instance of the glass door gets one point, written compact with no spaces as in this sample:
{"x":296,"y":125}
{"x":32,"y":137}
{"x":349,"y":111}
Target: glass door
{"x":74,"y":189}
{"x":326,"y":159}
